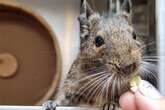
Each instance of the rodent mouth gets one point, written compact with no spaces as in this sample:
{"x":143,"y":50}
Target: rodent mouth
{"x":126,"y":70}
{"x":130,"y":68}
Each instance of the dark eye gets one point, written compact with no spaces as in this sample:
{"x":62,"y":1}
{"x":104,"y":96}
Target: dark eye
{"x":134,"y":35}
{"x":99,"y":41}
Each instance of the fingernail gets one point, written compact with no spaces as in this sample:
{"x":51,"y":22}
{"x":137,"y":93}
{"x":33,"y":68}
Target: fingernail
{"x":148,"y":90}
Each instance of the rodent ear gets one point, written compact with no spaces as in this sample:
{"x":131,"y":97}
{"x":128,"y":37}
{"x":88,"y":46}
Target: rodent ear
{"x":86,"y":9}
{"x":85,"y":12}
{"x":126,"y":10}
{"x":127,"y":6}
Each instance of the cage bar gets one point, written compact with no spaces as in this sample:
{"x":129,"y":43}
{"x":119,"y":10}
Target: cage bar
{"x":41,"y":108}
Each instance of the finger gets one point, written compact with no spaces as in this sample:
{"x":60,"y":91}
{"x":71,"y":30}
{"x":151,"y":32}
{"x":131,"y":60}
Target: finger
{"x":148,"y":97}
{"x":146,"y":103}
{"x":143,"y":103}
{"x":127,"y":101}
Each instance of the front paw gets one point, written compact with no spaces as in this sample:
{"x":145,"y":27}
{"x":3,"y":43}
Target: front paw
{"x":49,"y":105}
{"x":110,"y":106}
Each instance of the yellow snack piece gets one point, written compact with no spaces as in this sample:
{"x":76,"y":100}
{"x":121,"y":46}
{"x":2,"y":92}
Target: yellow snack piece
{"x":134,"y":83}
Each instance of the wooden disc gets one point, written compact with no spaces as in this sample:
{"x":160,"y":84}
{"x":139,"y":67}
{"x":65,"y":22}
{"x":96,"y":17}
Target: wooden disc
{"x":30,"y":72}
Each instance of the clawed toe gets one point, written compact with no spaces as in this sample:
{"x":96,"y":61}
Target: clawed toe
{"x":49,"y":105}
{"x":109,"y":106}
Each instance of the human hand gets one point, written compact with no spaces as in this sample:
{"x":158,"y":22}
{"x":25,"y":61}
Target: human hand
{"x":146,"y":98}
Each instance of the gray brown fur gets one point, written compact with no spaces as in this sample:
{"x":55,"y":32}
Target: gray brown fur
{"x":101,"y":75}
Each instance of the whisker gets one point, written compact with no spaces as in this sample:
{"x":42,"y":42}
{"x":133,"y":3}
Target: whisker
{"x":109,"y":83}
{"x":97,"y":96}
{"x":118,"y":86}
{"x":148,"y":69}
{"x":96,"y":89}
{"x":95,"y":69}
{"x":89,"y":84}
{"x":105,"y":86}
{"x":101,"y":82}
{"x":101,"y":96}
{"x":113,"y":88}
{"x":151,"y":60}
{"x":151,"y":56}
{"x":145,"y":45}
{"x":100,"y":92}
{"x":85,"y":87}
{"x":148,"y":74}
{"x":98,"y":86}
{"x":90,"y":76}
{"x":142,"y":48}
{"x":147,"y":64}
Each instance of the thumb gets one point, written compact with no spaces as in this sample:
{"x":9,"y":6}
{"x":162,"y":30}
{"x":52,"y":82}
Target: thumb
{"x":148,"y":97}
{"x":147,"y":103}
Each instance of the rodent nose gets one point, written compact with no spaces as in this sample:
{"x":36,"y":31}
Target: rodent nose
{"x":114,"y":65}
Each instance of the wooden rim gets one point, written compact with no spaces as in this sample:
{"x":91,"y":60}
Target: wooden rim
{"x":57,"y":76}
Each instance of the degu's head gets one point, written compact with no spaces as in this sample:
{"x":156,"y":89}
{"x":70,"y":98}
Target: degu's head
{"x":111,"y":38}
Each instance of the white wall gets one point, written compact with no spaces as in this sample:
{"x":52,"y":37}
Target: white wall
{"x":62,"y":17}
{"x":160,"y":6}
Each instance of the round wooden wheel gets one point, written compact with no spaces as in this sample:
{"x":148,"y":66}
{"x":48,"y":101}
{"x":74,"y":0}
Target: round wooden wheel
{"x":30,"y":61}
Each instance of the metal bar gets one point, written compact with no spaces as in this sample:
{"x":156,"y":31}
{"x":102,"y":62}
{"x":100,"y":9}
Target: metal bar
{"x":110,"y":5}
{"x":160,"y":15}
{"x":41,"y":108}
{"x":118,"y":6}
